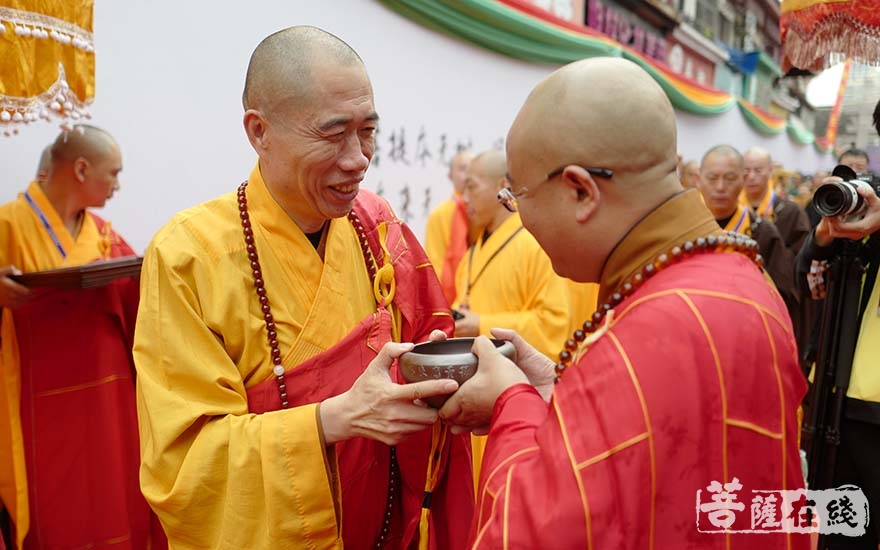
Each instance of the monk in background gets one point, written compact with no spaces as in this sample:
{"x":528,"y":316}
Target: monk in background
{"x":654,"y":399}
{"x":505,"y":279}
{"x":446,"y":233}
{"x":68,"y":430}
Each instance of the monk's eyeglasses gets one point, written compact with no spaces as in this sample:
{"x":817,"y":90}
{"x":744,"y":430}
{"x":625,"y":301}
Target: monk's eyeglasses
{"x":507,"y":197}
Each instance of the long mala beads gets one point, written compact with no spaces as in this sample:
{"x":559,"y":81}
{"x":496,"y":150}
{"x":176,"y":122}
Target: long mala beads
{"x":730,"y":242}
{"x":272,"y":333}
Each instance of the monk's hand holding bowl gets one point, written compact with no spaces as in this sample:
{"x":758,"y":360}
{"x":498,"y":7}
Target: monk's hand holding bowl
{"x":540,"y":370}
{"x":468,"y":324}
{"x":377,"y":408}
{"x":470,"y":408}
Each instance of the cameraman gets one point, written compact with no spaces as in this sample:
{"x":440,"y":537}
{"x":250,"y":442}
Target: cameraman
{"x":854,"y":158}
{"x":858,"y":456}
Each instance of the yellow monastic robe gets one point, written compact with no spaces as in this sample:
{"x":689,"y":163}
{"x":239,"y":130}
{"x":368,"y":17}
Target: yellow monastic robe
{"x":210,"y":469}
{"x":27,"y":244}
{"x":509,"y":282}
{"x":437,"y":232}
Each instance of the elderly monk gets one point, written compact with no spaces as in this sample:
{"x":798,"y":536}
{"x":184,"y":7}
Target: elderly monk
{"x":789,"y":218}
{"x":270,"y":413}
{"x":68,"y":430}
{"x":656,"y":398}
{"x":767,"y":203}
{"x":447,"y":233}
{"x":721,"y":183}
{"x":505,"y":279}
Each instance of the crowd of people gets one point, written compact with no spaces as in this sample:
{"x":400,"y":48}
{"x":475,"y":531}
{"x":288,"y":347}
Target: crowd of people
{"x":244,"y":391}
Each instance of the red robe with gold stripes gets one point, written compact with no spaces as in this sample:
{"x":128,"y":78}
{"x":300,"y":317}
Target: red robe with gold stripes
{"x":695,"y":380}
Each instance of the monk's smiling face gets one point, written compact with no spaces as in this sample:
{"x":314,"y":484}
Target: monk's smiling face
{"x":310,"y":117}
{"x":320,"y":151}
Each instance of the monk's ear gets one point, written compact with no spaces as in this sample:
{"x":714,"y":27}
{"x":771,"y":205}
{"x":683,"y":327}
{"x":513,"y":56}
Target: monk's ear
{"x":583,"y":190}
{"x":255,"y":126}
{"x":80,"y":169}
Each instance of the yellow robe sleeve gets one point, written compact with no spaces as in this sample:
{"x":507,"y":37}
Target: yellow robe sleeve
{"x":437,"y":233}
{"x":218,"y":476}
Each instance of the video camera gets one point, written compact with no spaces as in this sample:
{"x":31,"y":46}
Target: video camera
{"x":841,"y":198}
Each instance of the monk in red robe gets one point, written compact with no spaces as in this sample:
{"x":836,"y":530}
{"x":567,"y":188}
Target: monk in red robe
{"x":68,"y":429}
{"x":682,"y":390}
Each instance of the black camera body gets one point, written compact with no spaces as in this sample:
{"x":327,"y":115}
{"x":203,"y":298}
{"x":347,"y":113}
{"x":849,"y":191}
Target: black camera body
{"x":841,"y":198}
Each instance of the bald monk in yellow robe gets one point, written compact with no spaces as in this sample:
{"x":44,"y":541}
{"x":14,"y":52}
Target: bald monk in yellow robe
{"x":270,"y":414}
{"x":68,"y":431}
{"x":505,"y":279}
{"x":446,"y":233}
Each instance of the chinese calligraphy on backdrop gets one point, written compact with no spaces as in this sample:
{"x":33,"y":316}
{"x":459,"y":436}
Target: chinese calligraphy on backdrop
{"x":410,"y":167}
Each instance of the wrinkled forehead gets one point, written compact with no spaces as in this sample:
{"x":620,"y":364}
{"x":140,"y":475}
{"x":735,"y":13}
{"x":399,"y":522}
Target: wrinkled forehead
{"x":757,"y":161}
{"x":721,"y":160}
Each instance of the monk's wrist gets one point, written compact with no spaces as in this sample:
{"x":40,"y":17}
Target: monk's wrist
{"x":332,"y":421}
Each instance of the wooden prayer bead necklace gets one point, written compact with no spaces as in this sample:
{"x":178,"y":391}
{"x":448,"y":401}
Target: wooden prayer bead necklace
{"x":272,"y":334}
{"x":730,"y":242}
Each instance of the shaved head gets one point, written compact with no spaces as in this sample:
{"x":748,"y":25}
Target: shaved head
{"x":84,"y":169}
{"x":83,"y":141}
{"x":723,"y":151}
{"x":594,"y":143}
{"x":458,"y":167}
{"x":759,"y":153}
{"x":757,"y":168}
{"x":282,"y":64}
{"x":597,"y":112}
{"x":44,"y":164}
{"x":490,"y":164}
{"x":485,"y":177}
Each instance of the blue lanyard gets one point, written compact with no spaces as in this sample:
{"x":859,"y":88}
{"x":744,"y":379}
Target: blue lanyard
{"x":741,"y":220}
{"x":46,"y":225}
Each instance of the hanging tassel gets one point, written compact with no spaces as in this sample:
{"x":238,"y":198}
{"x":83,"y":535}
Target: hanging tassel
{"x":438,"y":441}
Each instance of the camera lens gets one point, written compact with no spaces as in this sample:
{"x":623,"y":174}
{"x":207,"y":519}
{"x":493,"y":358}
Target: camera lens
{"x":836,"y":198}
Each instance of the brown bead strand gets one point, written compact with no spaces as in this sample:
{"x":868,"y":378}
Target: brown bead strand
{"x":272,"y":334}
{"x":729,"y":242}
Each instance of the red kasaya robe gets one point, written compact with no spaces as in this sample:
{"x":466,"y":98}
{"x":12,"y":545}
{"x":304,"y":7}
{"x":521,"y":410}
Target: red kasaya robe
{"x":363,"y":464}
{"x":694,"y":380}
{"x":78,"y":418}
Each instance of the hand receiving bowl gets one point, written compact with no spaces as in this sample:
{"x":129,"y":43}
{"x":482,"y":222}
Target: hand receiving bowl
{"x":450,"y":358}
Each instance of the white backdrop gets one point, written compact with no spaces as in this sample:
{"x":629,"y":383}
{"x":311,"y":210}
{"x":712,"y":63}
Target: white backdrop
{"x":169,"y":83}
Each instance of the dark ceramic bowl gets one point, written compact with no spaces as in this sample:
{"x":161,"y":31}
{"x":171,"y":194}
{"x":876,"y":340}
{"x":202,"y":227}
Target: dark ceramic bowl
{"x":450,"y":358}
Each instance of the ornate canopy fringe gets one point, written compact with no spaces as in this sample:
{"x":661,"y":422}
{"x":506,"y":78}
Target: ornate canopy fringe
{"x":47,"y":62}
{"x":819,"y":33}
